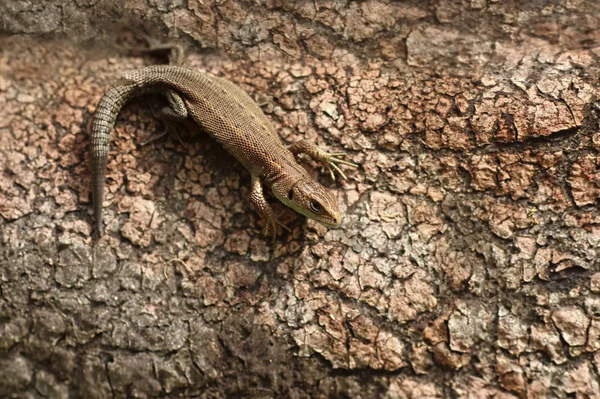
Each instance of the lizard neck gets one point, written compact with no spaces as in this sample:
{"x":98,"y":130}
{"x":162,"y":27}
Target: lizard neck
{"x":281,"y":178}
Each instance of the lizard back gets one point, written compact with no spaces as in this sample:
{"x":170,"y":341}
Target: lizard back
{"x":225,"y":112}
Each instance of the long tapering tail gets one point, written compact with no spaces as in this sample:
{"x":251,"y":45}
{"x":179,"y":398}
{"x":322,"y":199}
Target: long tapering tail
{"x":104,"y":120}
{"x":156,"y":78}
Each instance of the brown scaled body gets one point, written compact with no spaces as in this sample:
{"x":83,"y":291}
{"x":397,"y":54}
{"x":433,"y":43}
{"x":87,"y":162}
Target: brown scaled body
{"x":232,"y":118}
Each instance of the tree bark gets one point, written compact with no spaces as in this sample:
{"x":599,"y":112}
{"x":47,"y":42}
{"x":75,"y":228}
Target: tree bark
{"x":467,"y":264}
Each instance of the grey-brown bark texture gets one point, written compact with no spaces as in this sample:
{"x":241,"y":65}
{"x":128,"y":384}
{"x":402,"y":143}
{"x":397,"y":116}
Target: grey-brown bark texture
{"x":467,"y":264}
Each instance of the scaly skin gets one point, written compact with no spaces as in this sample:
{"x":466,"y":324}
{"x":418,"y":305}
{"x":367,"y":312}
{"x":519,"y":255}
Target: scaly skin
{"x":232,"y":118}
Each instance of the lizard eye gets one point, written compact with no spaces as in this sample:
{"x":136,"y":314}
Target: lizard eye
{"x":291,"y":195}
{"x":315,"y":206}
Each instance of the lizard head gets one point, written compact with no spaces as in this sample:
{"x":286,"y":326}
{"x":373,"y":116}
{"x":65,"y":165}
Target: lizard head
{"x":311,"y":199}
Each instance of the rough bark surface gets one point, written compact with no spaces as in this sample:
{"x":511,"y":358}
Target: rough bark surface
{"x":467,"y":265}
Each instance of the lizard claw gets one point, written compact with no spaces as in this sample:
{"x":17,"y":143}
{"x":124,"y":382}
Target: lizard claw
{"x":331,"y":161}
{"x":273,"y":227}
{"x":167,"y":130}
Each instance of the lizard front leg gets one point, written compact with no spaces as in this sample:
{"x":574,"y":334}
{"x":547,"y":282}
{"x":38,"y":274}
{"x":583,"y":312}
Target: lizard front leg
{"x":330,"y":160}
{"x":272,"y":224}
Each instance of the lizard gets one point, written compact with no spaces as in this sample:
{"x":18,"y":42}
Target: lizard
{"x":233,"y":119}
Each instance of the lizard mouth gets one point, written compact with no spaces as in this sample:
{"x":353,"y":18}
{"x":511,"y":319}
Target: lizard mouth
{"x":332,"y":222}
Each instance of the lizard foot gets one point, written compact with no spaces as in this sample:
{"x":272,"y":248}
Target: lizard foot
{"x":173,"y":117}
{"x":167,"y":130}
{"x":152,"y":139}
{"x":174,"y":51}
{"x":330,"y":160}
{"x":273,"y":227}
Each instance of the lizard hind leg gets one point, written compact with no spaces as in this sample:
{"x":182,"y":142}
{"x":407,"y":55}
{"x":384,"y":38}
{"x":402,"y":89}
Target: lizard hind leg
{"x":174,"y":51}
{"x":173,"y":117}
{"x":329,"y":159}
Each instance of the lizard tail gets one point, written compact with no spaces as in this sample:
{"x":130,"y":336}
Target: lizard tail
{"x":102,"y":126}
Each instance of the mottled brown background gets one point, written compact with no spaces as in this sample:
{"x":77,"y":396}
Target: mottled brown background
{"x":467,"y":263}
